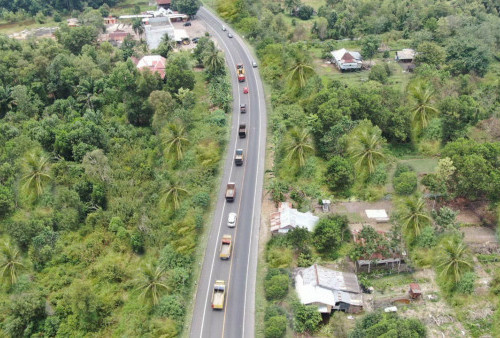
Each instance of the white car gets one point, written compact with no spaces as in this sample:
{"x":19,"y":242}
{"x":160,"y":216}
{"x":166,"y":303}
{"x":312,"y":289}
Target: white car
{"x":231,"y":220}
{"x":254,"y":64}
{"x":224,"y":28}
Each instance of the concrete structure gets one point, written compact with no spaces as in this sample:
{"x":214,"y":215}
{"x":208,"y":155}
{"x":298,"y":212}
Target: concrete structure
{"x":72,"y":22}
{"x":164,"y":3}
{"x":379,"y":215}
{"x":329,"y":290}
{"x":155,"y":29}
{"x":405,"y":55}
{"x":110,"y":20}
{"x":346,"y":60}
{"x":287,"y":218}
{"x":117,"y":36}
{"x":155,"y":63}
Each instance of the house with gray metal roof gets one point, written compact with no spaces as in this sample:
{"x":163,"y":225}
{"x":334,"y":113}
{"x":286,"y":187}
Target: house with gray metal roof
{"x":288,"y":218}
{"x":329,"y":290}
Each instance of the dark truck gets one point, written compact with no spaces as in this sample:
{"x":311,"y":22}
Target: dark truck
{"x":242,"y":131}
{"x":230,"y":191}
{"x":238,"y":157}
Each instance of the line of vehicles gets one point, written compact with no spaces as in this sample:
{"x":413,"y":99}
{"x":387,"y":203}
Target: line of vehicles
{"x":226,"y":246}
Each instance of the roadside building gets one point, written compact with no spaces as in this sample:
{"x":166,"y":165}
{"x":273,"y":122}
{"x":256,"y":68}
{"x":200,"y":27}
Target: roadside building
{"x":329,"y":290}
{"x":155,"y":63}
{"x":346,"y":60}
{"x":110,"y":20}
{"x":155,"y":29}
{"x":164,"y":3}
{"x":287,"y":218}
{"x":116,"y":38}
{"x":405,"y":55}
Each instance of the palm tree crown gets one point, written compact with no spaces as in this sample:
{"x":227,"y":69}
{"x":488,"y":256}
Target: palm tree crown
{"x":365,"y":147}
{"x":36,"y":167}
{"x":152,"y":283}
{"x":10,"y":262}
{"x":213,"y":61}
{"x":454,"y":259}
{"x":176,"y":140}
{"x":414,"y":216}
{"x":422,"y":110}
{"x":299,"y":146}
{"x":172,"y":195}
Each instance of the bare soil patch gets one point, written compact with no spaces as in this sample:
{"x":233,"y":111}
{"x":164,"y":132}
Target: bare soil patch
{"x":355,"y":212}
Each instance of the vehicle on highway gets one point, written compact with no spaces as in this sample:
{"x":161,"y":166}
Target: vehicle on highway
{"x":245,"y":90}
{"x":224,"y":28}
{"x":243,"y":108}
{"x":219,"y":295}
{"x":225,"y":247}
{"x":238,"y":157}
{"x":242,"y":131}
{"x":241,"y":72}
{"x":231,"y":219}
{"x":230,"y":191}
{"x":186,"y":24}
{"x":229,"y":35}
{"x":254,"y":64}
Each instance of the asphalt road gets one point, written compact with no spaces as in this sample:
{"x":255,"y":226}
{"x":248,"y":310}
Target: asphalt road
{"x":238,"y":317}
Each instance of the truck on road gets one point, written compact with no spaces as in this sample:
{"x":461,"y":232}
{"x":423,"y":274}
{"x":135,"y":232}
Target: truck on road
{"x":219,"y":295}
{"x":238,"y":157}
{"x":241,"y":72}
{"x":225,"y":247}
{"x":230,"y":191}
{"x":242,"y":131}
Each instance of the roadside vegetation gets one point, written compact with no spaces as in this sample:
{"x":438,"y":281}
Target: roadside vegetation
{"x":425,"y":138}
{"x":107,"y":176}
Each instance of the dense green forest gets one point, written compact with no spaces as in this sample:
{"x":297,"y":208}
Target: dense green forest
{"x":351,"y":136}
{"x":48,"y":6}
{"x":107,"y":174}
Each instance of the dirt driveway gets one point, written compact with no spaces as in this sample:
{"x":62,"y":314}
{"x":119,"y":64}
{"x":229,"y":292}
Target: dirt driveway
{"x":196,"y":30}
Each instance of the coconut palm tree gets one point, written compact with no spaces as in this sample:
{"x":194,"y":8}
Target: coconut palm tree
{"x":213,"y":61}
{"x":365,"y":147}
{"x":10,"y":262}
{"x":172,"y":195}
{"x":138,"y":27}
{"x":36,"y":168}
{"x":151,"y":283}
{"x":299,"y":146}
{"x":176,"y":140}
{"x":422,"y":110}
{"x":414,"y":217}
{"x":454,"y":259}
{"x":299,"y":73}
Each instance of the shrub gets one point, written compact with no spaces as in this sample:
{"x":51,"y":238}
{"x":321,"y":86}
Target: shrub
{"x":329,"y":234}
{"x":306,"y":318}
{"x":6,"y":201}
{"x":379,"y":176}
{"x":339,"y":175}
{"x":279,"y":257}
{"x":170,"y":306}
{"x":277,"y":287}
{"x":466,"y":284}
{"x":378,"y":73}
{"x":402,"y":168}
{"x":305,"y":12}
{"x":137,"y":242}
{"x":275,"y":327}
{"x":427,"y":238}
{"x":406,"y":183}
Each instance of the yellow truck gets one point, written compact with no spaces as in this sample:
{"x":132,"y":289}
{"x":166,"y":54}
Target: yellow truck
{"x":225,"y":247}
{"x":219,"y":295}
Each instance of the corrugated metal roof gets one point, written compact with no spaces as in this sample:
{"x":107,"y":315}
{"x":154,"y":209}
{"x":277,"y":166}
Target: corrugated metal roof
{"x":288,"y":218}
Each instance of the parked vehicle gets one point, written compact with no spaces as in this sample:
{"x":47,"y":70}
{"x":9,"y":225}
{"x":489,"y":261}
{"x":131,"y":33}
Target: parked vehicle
{"x":242,"y":131}
{"x":195,"y":40}
{"x":231,"y":219}
{"x":238,"y":157}
{"x":186,"y":24}
{"x":230,"y":191}
{"x":225,"y":247}
{"x":245,"y":90}
{"x":219,"y":295}
{"x":243,"y":108}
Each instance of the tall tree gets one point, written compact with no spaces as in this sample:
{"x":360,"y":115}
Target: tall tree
{"x":152,"y":283}
{"x":176,"y":139}
{"x":214,"y":62}
{"x":6,"y":100}
{"x":414,"y":216}
{"x":138,"y":27}
{"x":365,"y":147}
{"x":10,"y":262}
{"x":173,"y":194}
{"x":454,"y":259}
{"x":36,"y":168}
{"x":299,"y":146}
{"x":422,"y":110}
{"x":300,"y":69}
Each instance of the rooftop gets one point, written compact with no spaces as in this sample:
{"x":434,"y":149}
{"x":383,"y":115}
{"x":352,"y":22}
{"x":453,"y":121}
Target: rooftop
{"x":155,"y":63}
{"x":287,"y":217}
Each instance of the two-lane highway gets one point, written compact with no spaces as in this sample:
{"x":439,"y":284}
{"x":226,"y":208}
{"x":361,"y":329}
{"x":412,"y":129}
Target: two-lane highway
{"x":238,"y":317}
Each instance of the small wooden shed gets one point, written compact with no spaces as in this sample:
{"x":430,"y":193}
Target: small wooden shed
{"x":415,"y":292}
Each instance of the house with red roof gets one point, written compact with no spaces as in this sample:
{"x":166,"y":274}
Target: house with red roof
{"x":346,"y":60}
{"x":164,"y":3}
{"x":155,"y":63}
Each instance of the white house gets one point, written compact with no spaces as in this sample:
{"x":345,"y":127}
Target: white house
{"x":155,"y":29}
{"x":328,"y":289}
{"x":405,"y":55}
{"x":287,"y":218}
{"x":346,"y":60}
